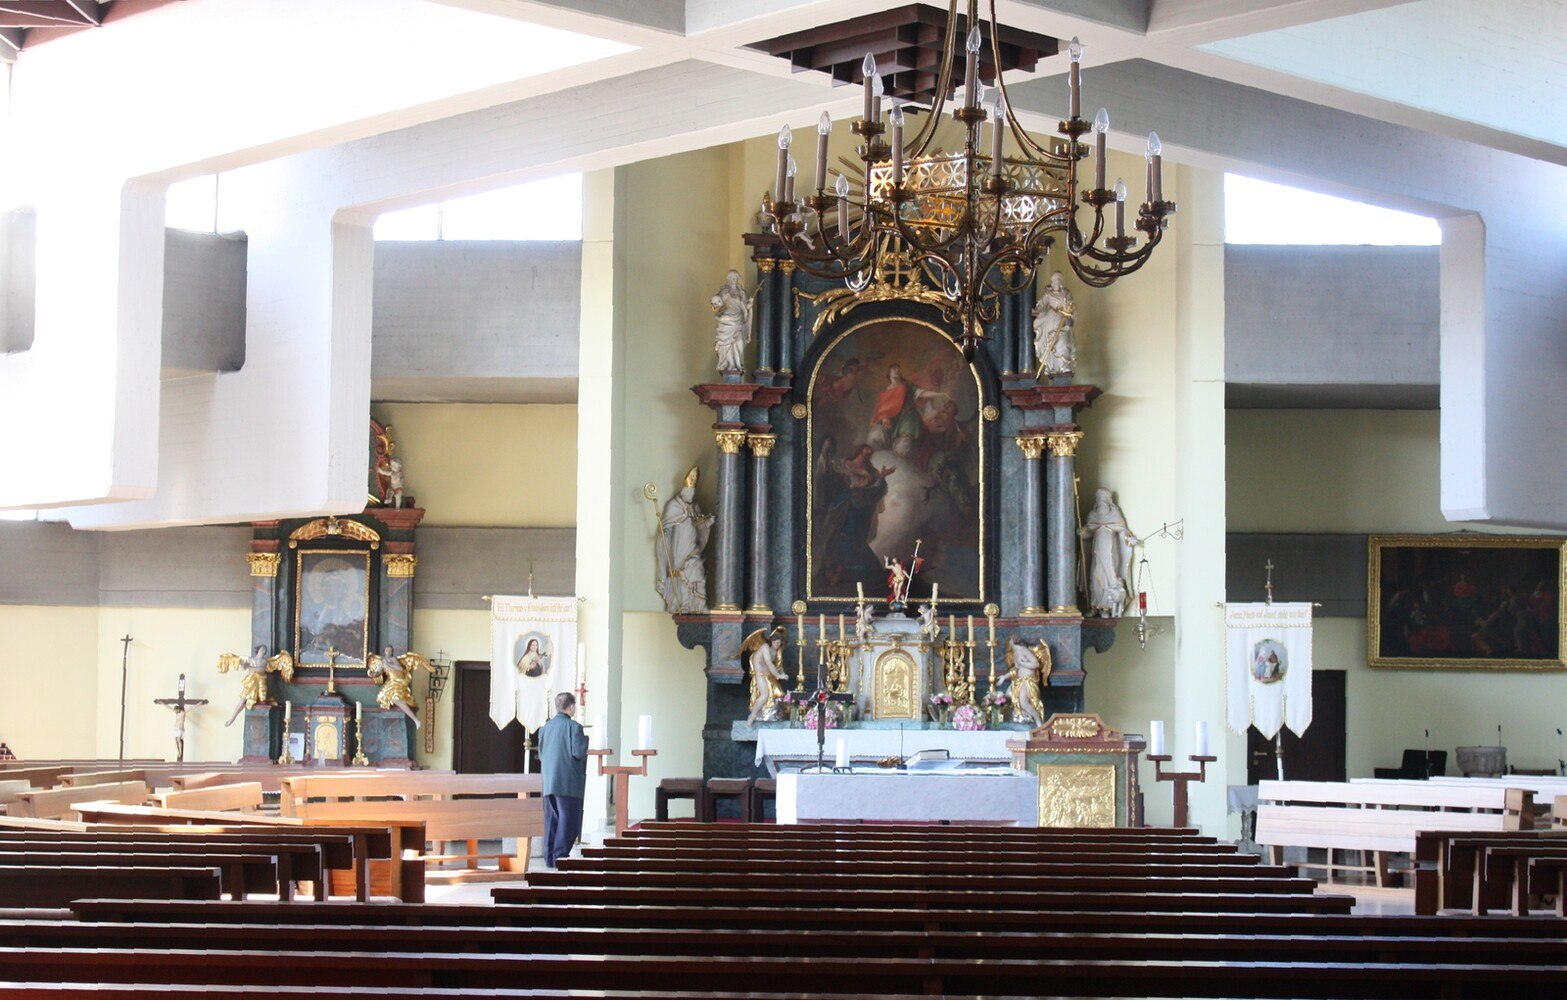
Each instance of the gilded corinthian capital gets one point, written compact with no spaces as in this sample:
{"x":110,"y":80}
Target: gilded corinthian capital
{"x":1031,"y":445}
{"x":730,"y":441}
{"x":762,"y":444}
{"x":1063,"y":444}
{"x":262,"y":563}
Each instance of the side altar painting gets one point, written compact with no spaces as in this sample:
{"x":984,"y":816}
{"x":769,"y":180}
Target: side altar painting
{"x":886,"y":535}
{"x":897,"y":454}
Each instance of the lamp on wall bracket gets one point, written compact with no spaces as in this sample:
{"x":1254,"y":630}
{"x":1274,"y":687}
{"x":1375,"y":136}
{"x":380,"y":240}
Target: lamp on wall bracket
{"x":980,"y":220}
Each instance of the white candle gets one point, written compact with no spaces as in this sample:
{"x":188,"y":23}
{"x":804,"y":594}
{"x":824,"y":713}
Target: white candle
{"x":644,"y":732}
{"x":1201,"y":735}
{"x":582,"y":663}
{"x":1156,"y":738}
{"x":843,"y":752}
{"x":596,"y":737}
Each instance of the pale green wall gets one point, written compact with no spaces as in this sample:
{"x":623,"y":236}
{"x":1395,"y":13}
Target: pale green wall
{"x":1369,"y":471}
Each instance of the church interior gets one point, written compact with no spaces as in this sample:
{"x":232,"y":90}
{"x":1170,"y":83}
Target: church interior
{"x":592,"y":497}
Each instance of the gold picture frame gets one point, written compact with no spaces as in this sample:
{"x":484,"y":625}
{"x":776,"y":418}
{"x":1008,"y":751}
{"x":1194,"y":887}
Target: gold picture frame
{"x":341,"y":612}
{"x":1466,"y":602}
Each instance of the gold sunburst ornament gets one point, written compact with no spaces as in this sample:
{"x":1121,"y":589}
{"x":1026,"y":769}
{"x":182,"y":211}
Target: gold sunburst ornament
{"x":980,"y":221}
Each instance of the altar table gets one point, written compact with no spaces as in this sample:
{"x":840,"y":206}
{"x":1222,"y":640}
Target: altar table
{"x":998,"y":795}
{"x":775,"y":746}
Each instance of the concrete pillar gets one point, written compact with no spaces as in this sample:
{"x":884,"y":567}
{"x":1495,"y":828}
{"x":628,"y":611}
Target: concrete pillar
{"x":729,"y":525}
{"x":765,"y":326}
{"x":761,"y":447}
{"x":1030,"y":541}
{"x":1061,"y":466}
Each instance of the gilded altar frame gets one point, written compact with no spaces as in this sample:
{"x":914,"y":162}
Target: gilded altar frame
{"x":820,"y":359}
{"x":1386,"y":583}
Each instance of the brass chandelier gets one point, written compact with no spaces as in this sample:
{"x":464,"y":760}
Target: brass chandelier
{"x":978,"y":224}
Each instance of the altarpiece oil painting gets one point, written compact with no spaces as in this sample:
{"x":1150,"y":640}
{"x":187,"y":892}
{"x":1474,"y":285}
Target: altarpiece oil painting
{"x":896,"y":463}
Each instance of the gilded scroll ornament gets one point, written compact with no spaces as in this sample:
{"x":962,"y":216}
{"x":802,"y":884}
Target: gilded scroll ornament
{"x":1076,"y":795}
{"x":399,"y":565}
{"x":897,"y":276}
{"x":334,"y":527}
{"x":263,"y":563}
{"x":730,"y":441}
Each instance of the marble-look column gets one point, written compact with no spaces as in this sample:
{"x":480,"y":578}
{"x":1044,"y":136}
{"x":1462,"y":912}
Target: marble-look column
{"x":784,"y":285}
{"x":1031,"y":542}
{"x":765,"y":308}
{"x":729,"y":526}
{"x":263,"y":599}
{"x":397,"y":599}
{"x":1061,"y":467}
{"x":1007,"y":321}
{"x":1027,"y":363}
{"x":761,"y":447}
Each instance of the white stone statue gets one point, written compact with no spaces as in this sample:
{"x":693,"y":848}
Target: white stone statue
{"x":928,"y":624}
{"x":864,"y":617}
{"x":683,"y":533}
{"x":394,"y":482}
{"x":765,"y":653}
{"x":1027,"y":669}
{"x":1111,"y":546}
{"x":732,"y":306}
{"x":1054,"y":342}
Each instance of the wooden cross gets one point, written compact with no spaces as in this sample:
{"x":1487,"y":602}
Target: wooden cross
{"x":1269,"y":585}
{"x":180,"y":704}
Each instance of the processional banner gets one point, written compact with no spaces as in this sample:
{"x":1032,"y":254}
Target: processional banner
{"x":532,"y":640}
{"x":1268,"y":667}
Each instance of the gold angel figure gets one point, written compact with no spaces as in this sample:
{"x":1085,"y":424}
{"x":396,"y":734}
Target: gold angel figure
{"x":253,"y":676}
{"x":396,"y":676}
{"x":764,"y":651}
{"x":1028,"y":667}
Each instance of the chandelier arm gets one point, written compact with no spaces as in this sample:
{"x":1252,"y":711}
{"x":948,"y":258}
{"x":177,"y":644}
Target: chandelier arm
{"x":927,"y":131}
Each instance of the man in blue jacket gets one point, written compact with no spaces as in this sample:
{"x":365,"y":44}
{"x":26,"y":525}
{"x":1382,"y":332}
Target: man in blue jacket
{"x":563,"y":756}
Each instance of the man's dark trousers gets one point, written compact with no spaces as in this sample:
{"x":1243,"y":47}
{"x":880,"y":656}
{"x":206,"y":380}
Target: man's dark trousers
{"x":562,"y":826}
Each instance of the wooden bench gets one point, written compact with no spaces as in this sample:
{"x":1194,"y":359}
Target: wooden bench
{"x":50,"y":884}
{"x":243,"y":797}
{"x":452,"y":807}
{"x":60,"y":803}
{"x":1381,"y":817}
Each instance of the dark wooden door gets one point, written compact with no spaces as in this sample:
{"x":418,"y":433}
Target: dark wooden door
{"x":479,"y":747}
{"x":1317,"y":756}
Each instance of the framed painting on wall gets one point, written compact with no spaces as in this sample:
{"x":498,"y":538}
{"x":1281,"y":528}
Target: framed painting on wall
{"x":331,"y":606}
{"x":1465,"y":602}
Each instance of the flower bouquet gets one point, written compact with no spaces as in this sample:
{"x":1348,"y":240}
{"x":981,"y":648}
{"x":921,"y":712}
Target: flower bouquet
{"x":968,"y":718}
{"x":941,"y":707}
{"x":996,"y":704}
{"x":808,"y":717}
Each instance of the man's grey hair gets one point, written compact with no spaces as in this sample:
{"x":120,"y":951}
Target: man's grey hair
{"x":564,"y":700}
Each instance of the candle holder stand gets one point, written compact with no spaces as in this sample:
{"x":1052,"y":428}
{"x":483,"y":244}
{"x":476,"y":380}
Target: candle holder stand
{"x":622,"y":774}
{"x":1181,"y":779}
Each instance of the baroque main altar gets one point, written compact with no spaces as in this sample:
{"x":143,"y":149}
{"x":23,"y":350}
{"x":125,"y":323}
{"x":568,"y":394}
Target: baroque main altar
{"x":860,"y":438}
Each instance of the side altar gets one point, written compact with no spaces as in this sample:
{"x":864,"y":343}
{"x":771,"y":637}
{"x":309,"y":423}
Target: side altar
{"x":887,"y":514}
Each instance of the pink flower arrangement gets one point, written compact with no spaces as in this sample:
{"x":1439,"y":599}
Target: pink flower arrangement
{"x":997,"y":699}
{"x":968,"y":719}
{"x":808,"y":719}
{"x":941,"y":700}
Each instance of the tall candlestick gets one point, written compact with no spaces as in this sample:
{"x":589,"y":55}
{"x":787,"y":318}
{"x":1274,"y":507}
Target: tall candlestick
{"x":998,"y":137}
{"x":971,"y":67}
{"x":1120,"y":207}
{"x":644,"y":732}
{"x":935,"y":592}
{"x":785,"y":137}
{"x":952,"y":626}
{"x":1155,"y":168}
{"x":596,"y":737}
{"x":1075,"y":80}
{"x":970,"y":628}
{"x":840,"y":627}
{"x":823,"y":132}
{"x":877,"y":90}
{"x":991,"y":621}
{"x":1156,"y":738}
{"x":859,"y":591}
{"x":1201,"y":735}
{"x":821,"y":629}
{"x":1101,"y":134}
{"x":897,"y":143}
{"x":868,"y":71}
{"x":359,"y":711}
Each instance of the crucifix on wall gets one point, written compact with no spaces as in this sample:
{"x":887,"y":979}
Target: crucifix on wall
{"x":180,"y":705}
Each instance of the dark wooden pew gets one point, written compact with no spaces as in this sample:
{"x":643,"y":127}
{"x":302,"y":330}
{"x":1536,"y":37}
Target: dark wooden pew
{"x":818,"y":976}
{"x":1450,"y":870}
{"x":292,"y":862}
{"x":969,"y":867}
{"x":238,"y":873}
{"x":53,"y":884}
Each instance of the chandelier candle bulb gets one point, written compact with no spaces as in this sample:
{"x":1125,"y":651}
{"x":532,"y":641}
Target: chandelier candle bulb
{"x":644,"y":732}
{"x":998,"y":137}
{"x":971,"y":69}
{"x":897,"y":143}
{"x":823,"y":132}
{"x":877,"y":90}
{"x":1156,"y":738}
{"x":868,"y":73}
{"x":1155,"y":168}
{"x":789,"y":173}
{"x":785,"y":137}
{"x":1201,"y":734}
{"x":1120,"y":207}
{"x":1101,"y":133}
{"x":1075,"y":79}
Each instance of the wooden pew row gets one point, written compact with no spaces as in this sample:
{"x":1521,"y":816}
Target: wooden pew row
{"x":1168,"y":899}
{"x":286,"y":861}
{"x":853,"y":881}
{"x":60,"y":803}
{"x":963,"y":867}
{"x":675,"y":848}
{"x":589,"y":916}
{"x":244,"y":797}
{"x":820,"y":976}
{"x":132,"y":991}
{"x":908,"y":943}
{"x":270,"y":776}
{"x":900,"y":831}
{"x":50,"y":884}
{"x":1480,"y":872}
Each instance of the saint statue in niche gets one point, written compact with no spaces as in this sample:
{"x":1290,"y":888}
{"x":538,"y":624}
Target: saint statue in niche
{"x":1055,"y":343}
{"x":683,"y":531}
{"x":1110,"y":549}
{"x":732,"y":306}
{"x":894,"y":462}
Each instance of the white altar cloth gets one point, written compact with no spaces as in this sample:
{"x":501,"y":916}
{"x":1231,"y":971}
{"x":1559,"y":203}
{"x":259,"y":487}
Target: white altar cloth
{"x":992,"y":795}
{"x":869,"y":745}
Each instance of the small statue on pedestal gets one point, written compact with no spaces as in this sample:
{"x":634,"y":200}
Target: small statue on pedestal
{"x":253,"y":680}
{"x":763,"y":650}
{"x":1110,"y":549}
{"x":732,"y":306}
{"x":1028,"y":667}
{"x":396,"y":676}
{"x":683,"y":532}
{"x":1054,"y":342}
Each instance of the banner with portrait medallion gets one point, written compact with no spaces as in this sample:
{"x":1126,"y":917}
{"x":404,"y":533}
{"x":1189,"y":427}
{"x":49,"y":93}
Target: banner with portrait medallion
{"x":533,"y":642}
{"x":1268,"y":667}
